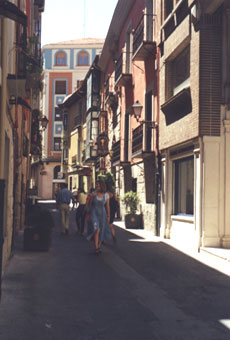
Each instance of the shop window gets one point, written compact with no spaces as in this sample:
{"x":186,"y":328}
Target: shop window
{"x":57,"y":144}
{"x":60,"y":87}
{"x":60,"y":59}
{"x":83,"y":59}
{"x":184,"y":186}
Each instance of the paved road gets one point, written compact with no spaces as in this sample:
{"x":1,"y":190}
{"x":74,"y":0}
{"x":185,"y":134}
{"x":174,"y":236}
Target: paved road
{"x":132,"y":291}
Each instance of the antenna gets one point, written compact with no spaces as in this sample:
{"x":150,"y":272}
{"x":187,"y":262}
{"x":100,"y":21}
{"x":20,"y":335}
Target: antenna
{"x":84,"y":19}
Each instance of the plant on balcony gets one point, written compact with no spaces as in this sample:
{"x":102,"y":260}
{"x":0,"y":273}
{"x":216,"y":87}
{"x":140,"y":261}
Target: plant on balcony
{"x":132,"y":219}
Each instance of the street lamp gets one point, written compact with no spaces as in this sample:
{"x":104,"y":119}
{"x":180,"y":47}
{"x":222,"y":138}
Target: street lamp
{"x":44,"y":122}
{"x":137,"y":108}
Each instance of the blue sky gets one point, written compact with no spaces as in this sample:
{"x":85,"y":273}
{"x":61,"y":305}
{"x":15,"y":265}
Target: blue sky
{"x":74,"y":19}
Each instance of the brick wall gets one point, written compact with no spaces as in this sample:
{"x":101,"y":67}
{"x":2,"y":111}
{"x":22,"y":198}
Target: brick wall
{"x":205,"y":80}
{"x":187,"y":127}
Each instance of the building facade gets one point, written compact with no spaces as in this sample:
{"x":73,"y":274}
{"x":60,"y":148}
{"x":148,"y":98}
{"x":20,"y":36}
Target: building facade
{"x":20,"y":66}
{"x":194,"y":122}
{"x":65,"y":66}
{"x":169,"y":60}
{"x":128,"y":62}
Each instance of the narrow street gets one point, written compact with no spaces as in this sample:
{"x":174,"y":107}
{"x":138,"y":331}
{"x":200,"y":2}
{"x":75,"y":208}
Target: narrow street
{"x":133,"y":290}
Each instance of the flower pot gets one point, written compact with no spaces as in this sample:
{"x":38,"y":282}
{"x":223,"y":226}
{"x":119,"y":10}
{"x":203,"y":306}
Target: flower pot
{"x":133,"y":221}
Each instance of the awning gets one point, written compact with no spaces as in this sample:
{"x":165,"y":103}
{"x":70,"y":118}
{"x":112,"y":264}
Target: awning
{"x":10,"y":11}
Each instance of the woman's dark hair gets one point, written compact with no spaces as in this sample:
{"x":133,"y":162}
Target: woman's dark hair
{"x":102,"y":185}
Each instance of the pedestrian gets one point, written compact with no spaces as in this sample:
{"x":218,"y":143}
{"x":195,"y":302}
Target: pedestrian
{"x":98,"y":226}
{"x":81,"y":211}
{"x":113,"y":204}
{"x":63,"y":199}
{"x":75,"y":194}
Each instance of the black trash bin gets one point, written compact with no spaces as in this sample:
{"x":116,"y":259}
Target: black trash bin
{"x":38,"y":232}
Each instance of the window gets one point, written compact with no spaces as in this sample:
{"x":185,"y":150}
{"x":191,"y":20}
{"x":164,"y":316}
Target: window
{"x":83,"y":59}
{"x":57,"y":144}
{"x":181,"y":71}
{"x":148,"y":117}
{"x":128,"y":50}
{"x":184,"y":186}
{"x":65,"y":121}
{"x":58,"y":114}
{"x":168,"y":7}
{"x":60,"y":59}
{"x":60,"y":87}
{"x":56,"y":171}
{"x":127,"y":132}
{"x":79,"y":83}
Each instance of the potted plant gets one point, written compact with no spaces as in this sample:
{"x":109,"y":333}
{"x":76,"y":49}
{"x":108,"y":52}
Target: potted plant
{"x":132,"y":219}
{"x":38,"y":230}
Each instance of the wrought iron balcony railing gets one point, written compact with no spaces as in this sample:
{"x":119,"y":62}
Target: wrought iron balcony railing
{"x":123,"y":71}
{"x":116,"y":153}
{"x":109,"y":88}
{"x":77,"y":120}
{"x":137,"y":141}
{"x":143,"y":38}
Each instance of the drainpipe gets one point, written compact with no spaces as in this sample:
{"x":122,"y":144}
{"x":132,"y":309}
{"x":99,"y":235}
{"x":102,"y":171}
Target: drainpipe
{"x":2,"y":134}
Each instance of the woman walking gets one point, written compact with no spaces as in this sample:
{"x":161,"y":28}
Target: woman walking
{"x":99,"y":216}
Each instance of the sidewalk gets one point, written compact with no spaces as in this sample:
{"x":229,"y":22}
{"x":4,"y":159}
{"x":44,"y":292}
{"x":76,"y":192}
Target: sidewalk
{"x":216,"y":258}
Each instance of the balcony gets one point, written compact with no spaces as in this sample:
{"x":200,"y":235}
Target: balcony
{"x":116,"y":153}
{"x":137,"y":142}
{"x":40,"y":4}
{"x":123,"y":73}
{"x":143,"y":38}
{"x":83,"y":156}
{"x":74,"y":161}
{"x":177,"y":106}
{"x":109,"y":91}
{"x":77,"y":120}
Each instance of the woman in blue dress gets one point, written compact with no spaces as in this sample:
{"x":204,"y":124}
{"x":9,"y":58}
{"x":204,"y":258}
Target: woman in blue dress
{"x":98,"y":226}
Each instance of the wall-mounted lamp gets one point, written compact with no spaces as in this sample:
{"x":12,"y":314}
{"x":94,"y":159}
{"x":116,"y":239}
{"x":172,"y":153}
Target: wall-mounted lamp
{"x":44,"y":122}
{"x":137,"y":108}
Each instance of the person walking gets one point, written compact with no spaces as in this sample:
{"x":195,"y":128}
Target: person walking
{"x":98,"y":225}
{"x":81,"y":211}
{"x":113,"y":204}
{"x":63,"y":199}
